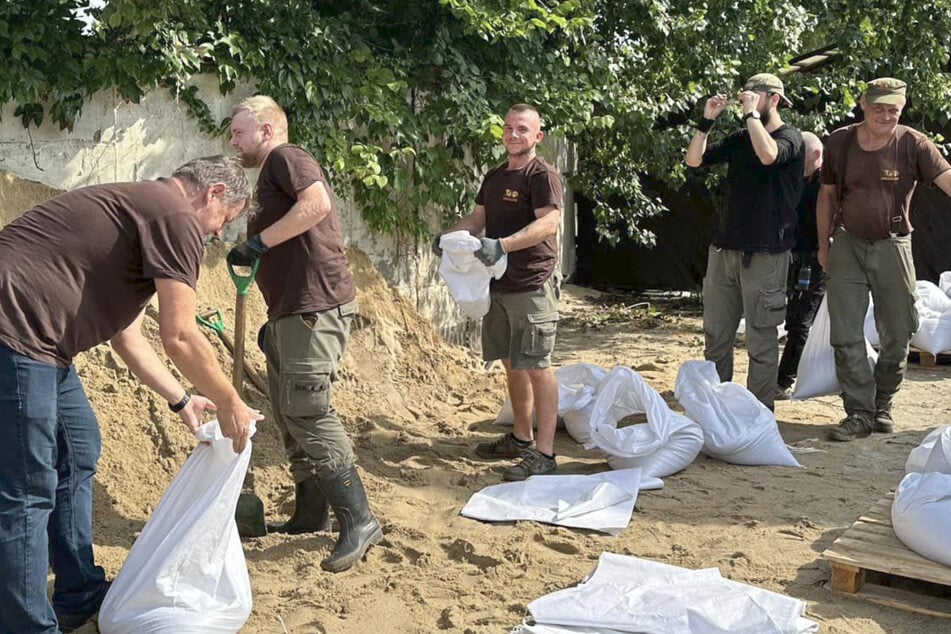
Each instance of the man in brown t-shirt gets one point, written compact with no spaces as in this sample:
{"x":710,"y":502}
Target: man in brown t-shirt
{"x":518,"y":207}
{"x":311,"y":299}
{"x":76,"y":271}
{"x":870,"y":173}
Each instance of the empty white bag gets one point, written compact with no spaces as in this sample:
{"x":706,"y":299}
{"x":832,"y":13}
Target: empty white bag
{"x":737,"y":428}
{"x":627,"y":594}
{"x":934,"y":319}
{"x":816,"y":373}
{"x":667,"y":443}
{"x":467,"y":278}
{"x":921,"y":514}
{"x":186,"y":572}
{"x":933,"y":454}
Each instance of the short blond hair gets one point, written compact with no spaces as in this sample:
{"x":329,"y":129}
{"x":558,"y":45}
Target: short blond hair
{"x":263,"y":110}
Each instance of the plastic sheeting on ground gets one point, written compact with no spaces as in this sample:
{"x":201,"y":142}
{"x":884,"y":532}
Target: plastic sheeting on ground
{"x":627,"y":594}
{"x":933,"y":454}
{"x":667,"y":443}
{"x":934,"y":319}
{"x":737,"y":428}
{"x":467,"y":278}
{"x":186,"y":572}
{"x":602,"y":501}
{"x":816,"y":373}
{"x":577,"y":385}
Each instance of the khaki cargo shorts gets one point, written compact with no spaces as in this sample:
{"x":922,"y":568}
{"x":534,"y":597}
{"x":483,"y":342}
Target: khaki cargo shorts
{"x":521,"y":327}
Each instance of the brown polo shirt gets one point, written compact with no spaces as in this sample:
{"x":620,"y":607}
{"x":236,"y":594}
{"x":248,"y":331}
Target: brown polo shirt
{"x":309,"y":272}
{"x":80,"y":267}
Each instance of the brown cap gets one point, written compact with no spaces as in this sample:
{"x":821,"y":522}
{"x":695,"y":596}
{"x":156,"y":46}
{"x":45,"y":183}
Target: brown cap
{"x":886,"y":90}
{"x":767,"y":82}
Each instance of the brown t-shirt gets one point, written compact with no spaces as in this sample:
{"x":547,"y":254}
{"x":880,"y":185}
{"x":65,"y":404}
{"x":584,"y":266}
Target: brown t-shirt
{"x":510,"y":198}
{"x":310,"y":271}
{"x":876,"y":187}
{"x":79,"y":268}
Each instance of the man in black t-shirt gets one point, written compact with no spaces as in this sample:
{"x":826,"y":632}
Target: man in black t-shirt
{"x":749,"y":259}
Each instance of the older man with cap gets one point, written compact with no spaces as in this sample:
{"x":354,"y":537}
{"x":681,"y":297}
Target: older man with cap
{"x":748,"y":261}
{"x":870,"y":174}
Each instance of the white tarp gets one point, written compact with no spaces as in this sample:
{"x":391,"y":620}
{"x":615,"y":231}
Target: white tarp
{"x":577,"y":385}
{"x":737,"y":428}
{"x":934,"y":319}
{"x":667,"y":443}
{"x":602,"y":501}
{"x":467,"y":278}
{"x":816,"y":373}
{"x":933,"y":454}
{"x":186,"y":572}
{"x":627,"y":594}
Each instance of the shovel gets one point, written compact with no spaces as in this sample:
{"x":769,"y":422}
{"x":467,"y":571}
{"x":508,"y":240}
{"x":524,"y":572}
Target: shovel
{"x":243,"y":285}
{"x":213,"y":320}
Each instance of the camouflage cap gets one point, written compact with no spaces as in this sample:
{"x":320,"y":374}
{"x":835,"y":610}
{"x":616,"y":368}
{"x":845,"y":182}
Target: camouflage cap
{"x":886,"y":90}
{"x":767,"y":82}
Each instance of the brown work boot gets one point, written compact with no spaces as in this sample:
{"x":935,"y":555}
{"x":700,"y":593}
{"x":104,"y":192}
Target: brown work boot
{"x":507,"y":446}
{"x":851,"y":427}
{"x":533,"y":463}
{"x":883,"y":422}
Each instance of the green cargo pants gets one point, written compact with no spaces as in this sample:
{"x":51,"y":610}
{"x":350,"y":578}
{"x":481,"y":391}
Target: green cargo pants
{"x":303,"y":353}
{"x":884,"y":267}
{"x":756,"y":292}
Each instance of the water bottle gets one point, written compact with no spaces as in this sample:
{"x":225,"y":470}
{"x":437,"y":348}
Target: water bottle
{"x":804,"y":278}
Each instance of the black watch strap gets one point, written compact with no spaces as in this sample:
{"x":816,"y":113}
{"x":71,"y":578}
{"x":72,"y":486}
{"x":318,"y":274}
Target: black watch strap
{"x":179,"y":406}
{"x":750,"y":115}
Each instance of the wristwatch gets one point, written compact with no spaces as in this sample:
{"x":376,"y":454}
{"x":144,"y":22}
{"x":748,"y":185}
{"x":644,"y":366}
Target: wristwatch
{"x":751,"y":115}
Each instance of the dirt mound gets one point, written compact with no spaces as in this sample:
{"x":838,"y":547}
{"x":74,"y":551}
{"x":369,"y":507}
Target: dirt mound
{"x":18,"y":195}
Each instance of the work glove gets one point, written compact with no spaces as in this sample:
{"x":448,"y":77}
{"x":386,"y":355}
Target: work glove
{"x":490,"y":252}
{"x":437,"y":250}
{"x":247,"y":253}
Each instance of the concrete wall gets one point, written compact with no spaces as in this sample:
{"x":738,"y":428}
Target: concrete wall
{"x":114,"y":140}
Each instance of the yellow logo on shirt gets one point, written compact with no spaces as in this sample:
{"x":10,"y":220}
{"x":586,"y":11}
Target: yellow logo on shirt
{"x":510,"y":196}
{"x":890,"y":175}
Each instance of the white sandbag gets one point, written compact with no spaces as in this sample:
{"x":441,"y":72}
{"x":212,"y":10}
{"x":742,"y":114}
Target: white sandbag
{"x":186,"y":572}
{"x":816,"y":373}
{"x":741,"y":329}
{"x":667,"y":443}
{"x":944,"y":283}
{"x":601,"y":501}
{"x":577,"y":385}
{"x":934,"y":319}
{"x":737,"y":428}
{"x":467,"y":278}
{"x":628,"y":594}
{"x":578,"y":424}
{"x":921,"y":515}
{"x":933,"y":454}
{"x":871,"y":328}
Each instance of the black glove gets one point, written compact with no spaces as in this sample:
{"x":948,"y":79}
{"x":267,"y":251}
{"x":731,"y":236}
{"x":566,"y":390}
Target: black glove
{"x":247,"y":253}
{"x":490,"y":252}
{"x":437,"y":250}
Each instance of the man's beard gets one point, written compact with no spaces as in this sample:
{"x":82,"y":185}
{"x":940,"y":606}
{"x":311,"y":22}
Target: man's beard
{"x":248,"y":160}
{"x":766,"y":117}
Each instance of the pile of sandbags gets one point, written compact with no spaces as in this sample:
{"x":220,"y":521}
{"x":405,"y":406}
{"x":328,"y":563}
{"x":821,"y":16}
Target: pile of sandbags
{"x":934,"y":319}
{"x":921,"y":511}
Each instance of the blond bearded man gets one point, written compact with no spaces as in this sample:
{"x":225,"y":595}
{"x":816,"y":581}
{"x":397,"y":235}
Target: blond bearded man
{"x":871,"y":171}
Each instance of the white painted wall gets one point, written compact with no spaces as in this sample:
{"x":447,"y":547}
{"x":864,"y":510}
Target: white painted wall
{"x":115,"y":140}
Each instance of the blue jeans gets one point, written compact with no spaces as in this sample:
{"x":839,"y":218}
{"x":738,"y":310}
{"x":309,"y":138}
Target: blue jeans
{"x":49,"y":447}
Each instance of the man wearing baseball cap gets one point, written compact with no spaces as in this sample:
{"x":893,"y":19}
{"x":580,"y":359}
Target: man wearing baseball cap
{"x":869,"y":176}
{"x":748,"y":261}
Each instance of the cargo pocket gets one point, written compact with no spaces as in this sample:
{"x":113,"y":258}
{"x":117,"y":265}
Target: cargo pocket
{"x":771,"y":308}
{"x":539,"y":337}
{"x":305,"y":388}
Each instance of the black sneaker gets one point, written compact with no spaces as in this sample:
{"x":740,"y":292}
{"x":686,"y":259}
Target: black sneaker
{"x":783,"y":393}
{"x":70,"y":622}
{"x":883,"y":422}
{"x":851,"y":427}
{"x":533,"y":463}
{"x":507,"y":446}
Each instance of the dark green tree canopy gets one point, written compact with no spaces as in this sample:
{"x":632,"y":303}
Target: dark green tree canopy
{"x":402,"y":100}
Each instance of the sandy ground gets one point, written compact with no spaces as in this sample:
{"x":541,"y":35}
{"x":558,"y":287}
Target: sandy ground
{"x":415,"y":406}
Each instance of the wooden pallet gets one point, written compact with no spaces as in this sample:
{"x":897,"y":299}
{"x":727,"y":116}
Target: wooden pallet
{"x":869,"y":562}
{"x":926,"y":359}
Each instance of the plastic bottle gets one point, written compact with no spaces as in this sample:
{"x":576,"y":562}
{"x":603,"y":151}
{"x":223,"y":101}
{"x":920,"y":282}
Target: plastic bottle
{"x":804,"y":277}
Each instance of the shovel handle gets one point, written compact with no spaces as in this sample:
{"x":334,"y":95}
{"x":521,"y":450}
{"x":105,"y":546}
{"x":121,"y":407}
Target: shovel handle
{"x":212,"y":319}
{"x":243,"y":282}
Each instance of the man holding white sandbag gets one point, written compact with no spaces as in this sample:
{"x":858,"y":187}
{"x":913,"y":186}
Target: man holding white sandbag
{"x":76,"y":271}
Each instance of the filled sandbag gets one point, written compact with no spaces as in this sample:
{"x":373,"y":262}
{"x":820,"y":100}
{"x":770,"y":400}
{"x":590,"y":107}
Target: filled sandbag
{"x":933,"y":454}
{"x":944,"y":283}
{"x":921,"y":515}
{"x":186,"y":572}
{"x":816,"y":373}
{"x":467,"y":278}
{"x":934,"y":319}
{"x":577,"y":385}
{"x":667,"y":443}
{"x":737,"y":428}
{"x":871,"y":328}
